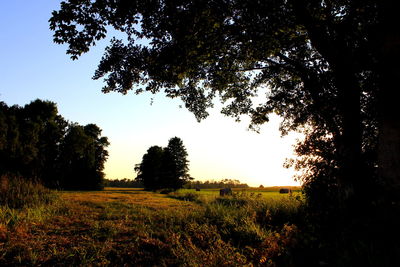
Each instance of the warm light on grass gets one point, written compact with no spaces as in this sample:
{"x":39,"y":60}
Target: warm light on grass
{"x":131,"y":226}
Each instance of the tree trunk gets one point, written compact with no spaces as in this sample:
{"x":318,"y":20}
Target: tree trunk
{"x":389,"y":128}
{"x":336,"y":52}
{"x":349,"y":149}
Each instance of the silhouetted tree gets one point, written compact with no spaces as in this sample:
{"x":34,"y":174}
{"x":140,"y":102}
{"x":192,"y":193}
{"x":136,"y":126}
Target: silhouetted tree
{"x":224,"y":183}
{"x":45,"y":129}
{"x":150,"y":170}
{"x":82,"y":158}
{"x":37,"y":143}
{"x":329,"y":69}
{"x":176,"y":164}
{"x":125,"y":182}
{"x":31,"y":138}
{"x":322,"y":61}
{"x":164,"y":167}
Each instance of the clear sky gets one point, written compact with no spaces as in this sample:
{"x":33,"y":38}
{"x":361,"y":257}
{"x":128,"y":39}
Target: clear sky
{"x":32,"y":66}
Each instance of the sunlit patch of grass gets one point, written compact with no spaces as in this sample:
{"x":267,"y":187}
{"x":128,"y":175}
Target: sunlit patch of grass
{"x":135,"y":227}
{"x":143,"y":198}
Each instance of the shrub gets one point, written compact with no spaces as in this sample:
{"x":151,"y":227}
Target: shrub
{"x":17,"y":192}
{"x":165,"y":191}
{"x":186,"y":197}
{"x":273,"y":214}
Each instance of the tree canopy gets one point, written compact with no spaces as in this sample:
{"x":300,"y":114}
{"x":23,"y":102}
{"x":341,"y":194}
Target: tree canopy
{"x":325,"y":67}
{"x":163,"y":168}
{"x":329,"y":68}
{"x":38,"y":143}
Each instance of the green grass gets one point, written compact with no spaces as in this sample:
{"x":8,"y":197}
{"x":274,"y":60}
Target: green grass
{"x":130,"y":226}
{"x":207,"y":195}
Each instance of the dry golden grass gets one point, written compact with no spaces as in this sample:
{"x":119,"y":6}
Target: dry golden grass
{"x":131,"y":227}
{"x":129,"y":197}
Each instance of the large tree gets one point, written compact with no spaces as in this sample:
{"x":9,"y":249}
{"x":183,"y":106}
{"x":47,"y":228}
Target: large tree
{"x":325,"y":67}
{"x":150,"y":170}
{"x":176,"y":163}
{"x":166,"y":167}
{"x":82,"y":158}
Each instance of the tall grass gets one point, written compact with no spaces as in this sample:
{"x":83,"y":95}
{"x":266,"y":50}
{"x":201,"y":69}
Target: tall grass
{"x":262,"y":229}
{"x":100,"y":228}
{"x":24,"y":201}
{"x":17,"y":192}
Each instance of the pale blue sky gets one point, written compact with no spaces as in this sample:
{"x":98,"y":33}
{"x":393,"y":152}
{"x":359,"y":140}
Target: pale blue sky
{"x":32,"y":66}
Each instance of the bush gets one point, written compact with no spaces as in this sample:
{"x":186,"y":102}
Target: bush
{"x":186,"y":197}
{"x":17,"y":192}
{"x":165,"y":191}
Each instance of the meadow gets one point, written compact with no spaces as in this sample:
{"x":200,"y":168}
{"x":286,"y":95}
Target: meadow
{"x":132,"y":227}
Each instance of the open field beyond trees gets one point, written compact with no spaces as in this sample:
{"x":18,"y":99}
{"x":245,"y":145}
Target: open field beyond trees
{"x":133,"y":227}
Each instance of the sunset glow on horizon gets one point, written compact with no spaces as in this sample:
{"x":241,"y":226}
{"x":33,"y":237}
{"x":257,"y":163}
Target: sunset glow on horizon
{"x":218,"y":147}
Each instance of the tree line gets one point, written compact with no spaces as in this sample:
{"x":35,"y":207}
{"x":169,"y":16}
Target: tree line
{"x":123,"y":183}
{"x":191,"y":184}
{"x":38,"y":143}
{"x":211,"y":184}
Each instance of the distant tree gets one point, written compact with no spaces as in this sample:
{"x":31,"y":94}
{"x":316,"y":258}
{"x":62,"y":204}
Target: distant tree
{"x":3,"y":126}
{"x":216,"y":184}
{"x":124,"y":183}
{"x":150,"y":170}
{"x":176,"y":164}
{"x":164,"y":167}
{"x":261,"y":186}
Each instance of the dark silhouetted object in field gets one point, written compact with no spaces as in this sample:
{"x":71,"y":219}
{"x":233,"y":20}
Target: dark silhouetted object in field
{"x":285,"y":191}
{"x":164,"y":167}
{"x":197,"y":189}
{"x":225,"y":192}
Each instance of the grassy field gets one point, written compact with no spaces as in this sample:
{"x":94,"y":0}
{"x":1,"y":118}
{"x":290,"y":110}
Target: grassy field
{"x":265,"y":192}
{"x":132,"y":227}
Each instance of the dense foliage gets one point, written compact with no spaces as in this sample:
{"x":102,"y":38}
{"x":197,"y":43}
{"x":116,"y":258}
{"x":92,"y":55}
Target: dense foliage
{"x":328,"y":68}
{"x":322,"y":64}
{"x":164,"y":167}
{"x":38,"y":143}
